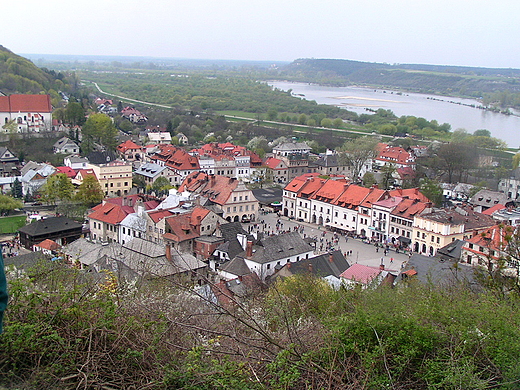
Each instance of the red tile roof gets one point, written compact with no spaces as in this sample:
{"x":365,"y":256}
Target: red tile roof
{"x":352,"y":197}
{"x":493,"y":238}
{"x":410,"y":193}
{"x":408,"y":208}
{"x":82,"y":173}
{"x":49,"y":244}
{"x":274,"y":163}
{"x":176,"y":158}
{"x":493,"y":209}
{"x":128,"y":145}
{"x":25,"y":103}
{"x":330,"y":191}
{"x":395,"y":154}
{"x":374,"y":195}
{"x":157,"y":215}
{"x":109,"y":213}
{"x":67,"y":171}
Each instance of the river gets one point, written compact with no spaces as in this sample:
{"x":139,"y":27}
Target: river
{"x":440,"y":108}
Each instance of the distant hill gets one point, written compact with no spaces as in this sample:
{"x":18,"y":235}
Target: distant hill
{"x":469,"y":81}
{"x":19,"y":75}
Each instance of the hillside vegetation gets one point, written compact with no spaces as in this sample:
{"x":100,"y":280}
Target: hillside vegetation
{"x":65,"y":329}
{"x":19,"y":75}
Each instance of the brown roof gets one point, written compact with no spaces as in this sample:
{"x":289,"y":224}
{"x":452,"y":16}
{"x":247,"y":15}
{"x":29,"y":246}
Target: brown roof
{"x":214,"y":187}
{"x":48,"y":244}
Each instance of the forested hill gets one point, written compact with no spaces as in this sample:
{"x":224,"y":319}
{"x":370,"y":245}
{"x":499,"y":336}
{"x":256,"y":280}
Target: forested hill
{"x":440,"y":79}
{"x":19,"y":75}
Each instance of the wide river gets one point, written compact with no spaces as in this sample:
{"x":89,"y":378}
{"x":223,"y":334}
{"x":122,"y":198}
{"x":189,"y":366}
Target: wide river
{"x":459,"y":116}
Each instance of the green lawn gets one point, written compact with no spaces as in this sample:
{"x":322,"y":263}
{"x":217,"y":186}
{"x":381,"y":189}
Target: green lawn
{"x":12,"y":224}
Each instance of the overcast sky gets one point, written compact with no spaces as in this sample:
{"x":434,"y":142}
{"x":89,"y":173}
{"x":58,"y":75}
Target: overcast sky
{"x":447,"y":32}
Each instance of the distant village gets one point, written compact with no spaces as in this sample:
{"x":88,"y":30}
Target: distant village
{"x":237,"y":220}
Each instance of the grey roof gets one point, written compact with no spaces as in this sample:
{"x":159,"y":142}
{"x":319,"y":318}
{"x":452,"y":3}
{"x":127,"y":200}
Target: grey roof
{"x":76,"y":159}
{"x":289,"y":146}
{"x":277,"y":247}
{"x":101,"y":157}
{"x":26,"y":260}
{"x":439,"y":272}
{"x":150,"y":170}
{"x":50,"y":225}
{"x":488,"y":198}
{"x":231,"y":247}
{"x":142,"y":257}
{"x":321,"y":265}
{"x":328,"y":160}
{"x":237,"y":267}
{"x":452,"y":251}
{"x":230,"y":230}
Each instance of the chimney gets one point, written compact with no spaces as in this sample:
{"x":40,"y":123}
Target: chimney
{"x":309,"y":266}
{"x":168,"y":252}
{"x":249,"y":248}
{"x":331,"y":258}
{"x":288,"y":265}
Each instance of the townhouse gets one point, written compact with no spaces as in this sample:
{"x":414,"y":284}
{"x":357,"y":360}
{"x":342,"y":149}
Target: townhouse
{"x":432,"y":231}
{"x":237,"y":202}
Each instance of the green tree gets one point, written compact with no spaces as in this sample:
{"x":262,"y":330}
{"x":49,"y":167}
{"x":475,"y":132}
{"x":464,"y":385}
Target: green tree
{"x":161,"y":185}
{"x":8,"y":204}
{"x":337,"y":123}
{"x":16,"y":189}
{"x":516,"y":160}
{"x":302,"y":119}
{"x":57,"y":188}
{"x":432,"y":190}
{"x":75,"y":114}
{"x":357,"y":153}
{"x":99,"y":128}
{"x":272,"y":114}
{"x":387,"y":176}
{"x":90,"y":192}
{"x":326,"y":122}
{"x":369,"y":179}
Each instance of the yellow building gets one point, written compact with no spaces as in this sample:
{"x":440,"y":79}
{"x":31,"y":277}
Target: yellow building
{"x":115,"y":177}
{"x":435,"y":230}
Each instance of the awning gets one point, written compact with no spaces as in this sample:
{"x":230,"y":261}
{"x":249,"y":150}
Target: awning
{"x":404,"y":240}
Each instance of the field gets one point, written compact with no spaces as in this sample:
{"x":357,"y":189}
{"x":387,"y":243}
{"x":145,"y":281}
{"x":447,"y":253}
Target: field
{"x":12,"y":224}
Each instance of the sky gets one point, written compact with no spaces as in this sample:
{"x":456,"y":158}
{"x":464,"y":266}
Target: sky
{"x":478,"y":33}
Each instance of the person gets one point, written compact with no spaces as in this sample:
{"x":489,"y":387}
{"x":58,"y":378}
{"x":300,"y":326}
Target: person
{"x":4,"y":297}
{"x":391,"y":259}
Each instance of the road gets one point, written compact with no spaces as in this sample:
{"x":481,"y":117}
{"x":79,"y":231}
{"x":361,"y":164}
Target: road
{"x":361,"y":253}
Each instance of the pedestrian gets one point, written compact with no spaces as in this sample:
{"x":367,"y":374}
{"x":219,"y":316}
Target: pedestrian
{"x":391,"y":260}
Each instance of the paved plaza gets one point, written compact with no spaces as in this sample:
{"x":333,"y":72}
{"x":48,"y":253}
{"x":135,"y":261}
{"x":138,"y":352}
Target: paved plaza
{"x":356,"y":250}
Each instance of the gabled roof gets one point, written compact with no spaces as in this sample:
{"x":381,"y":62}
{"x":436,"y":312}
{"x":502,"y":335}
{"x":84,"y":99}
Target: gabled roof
{"x":275,"y":163}
{"x":48,"y":244}
{"x":236,"y":266}
{"x":185,"y":226}
{"x":494,"y":209}
{"x":25,"y":103}
{"x":327,"y":264}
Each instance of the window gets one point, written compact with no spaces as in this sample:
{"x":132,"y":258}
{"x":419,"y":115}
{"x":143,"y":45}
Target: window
{"x":438,"y":240}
